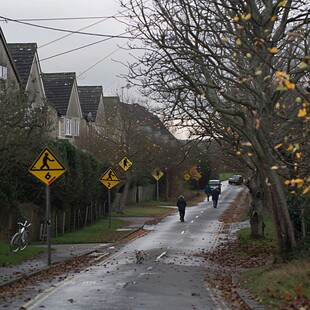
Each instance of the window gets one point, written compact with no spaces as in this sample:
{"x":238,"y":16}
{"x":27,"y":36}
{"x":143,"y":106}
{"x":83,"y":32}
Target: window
{"x":76,"y":127}
{"x":68,"y":127}
{"x":3,"y":73}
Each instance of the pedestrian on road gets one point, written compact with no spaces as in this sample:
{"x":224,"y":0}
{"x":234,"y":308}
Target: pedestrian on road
{"x":181,"y":203}
{"x":215,"y":196}
{"x":208,"y":191}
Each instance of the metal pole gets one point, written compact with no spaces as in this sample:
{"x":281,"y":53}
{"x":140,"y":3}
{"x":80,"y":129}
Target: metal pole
{"x":109,"y":212}
{"x":157,"y":191}
{"x":48,"y":223}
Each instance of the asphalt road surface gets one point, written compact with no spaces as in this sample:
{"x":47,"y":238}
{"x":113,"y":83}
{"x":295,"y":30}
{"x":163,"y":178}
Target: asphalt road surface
{"x":161,"y":270}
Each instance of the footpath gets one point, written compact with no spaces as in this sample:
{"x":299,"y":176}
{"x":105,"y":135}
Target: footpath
{"x":60,"y":253}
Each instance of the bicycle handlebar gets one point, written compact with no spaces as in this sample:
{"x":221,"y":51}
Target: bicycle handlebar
{"x":24,"y":224}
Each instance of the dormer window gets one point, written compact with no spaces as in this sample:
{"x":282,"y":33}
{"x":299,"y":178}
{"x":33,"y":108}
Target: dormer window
{"x":76,"y":127}
{"x":68,"y":127}
{"x":3,"y":73}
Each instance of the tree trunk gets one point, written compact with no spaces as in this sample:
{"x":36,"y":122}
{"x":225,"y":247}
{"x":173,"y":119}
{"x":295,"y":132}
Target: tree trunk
{"x":123,"y":199}
{"x":256,"y":208}
{"x":276,"y":201}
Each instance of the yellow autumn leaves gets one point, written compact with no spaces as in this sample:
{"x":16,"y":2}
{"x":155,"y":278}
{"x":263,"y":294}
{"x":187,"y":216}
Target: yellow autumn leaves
{"x":299,"y":183}
{"x":243,"y":16}
{"x":283,"y":81}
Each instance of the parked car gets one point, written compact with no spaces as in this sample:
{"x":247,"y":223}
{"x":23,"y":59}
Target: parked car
{"x":215,"y":183}
{"x":236,"y":179}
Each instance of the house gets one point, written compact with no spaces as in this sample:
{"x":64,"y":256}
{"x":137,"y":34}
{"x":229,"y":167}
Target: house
{"x":150,"y":123}
{"x":118,"y":117}
{"x":91,"y":100}
{"x":27,"y":63}
{"x":61,"y":91}
{"x":8,"y":73}
{"x":111,"y":118}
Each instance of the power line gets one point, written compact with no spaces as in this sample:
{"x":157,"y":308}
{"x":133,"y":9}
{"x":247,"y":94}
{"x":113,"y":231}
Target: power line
{"x":79,"y":48}
{"x":64,"y":18}
{"x":65,"y":30}
{"x":67,"y":35}
{"x":102,"y":59}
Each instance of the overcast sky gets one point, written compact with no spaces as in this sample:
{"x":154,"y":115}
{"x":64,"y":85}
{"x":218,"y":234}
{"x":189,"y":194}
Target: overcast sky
{"x":103,"y":56}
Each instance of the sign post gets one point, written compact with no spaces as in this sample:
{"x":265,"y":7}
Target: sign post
{"x":157,"y":174}
{"x":109,"y":179}
{"x":48,"y":224}
{"x":47,"y":168}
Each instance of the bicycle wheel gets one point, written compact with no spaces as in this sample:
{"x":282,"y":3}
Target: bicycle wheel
{"x":15,"y":242}
{"x":24,"y":241}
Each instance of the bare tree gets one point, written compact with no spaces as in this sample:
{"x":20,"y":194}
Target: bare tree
{"x":222,"y":65}
{"x":130,"y":130}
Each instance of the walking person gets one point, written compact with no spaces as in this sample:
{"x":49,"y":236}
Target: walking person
{"x":45,"y":160}
{"x":215,"y":196}
{"x":208,"y":191}
{"x":181,"y":203}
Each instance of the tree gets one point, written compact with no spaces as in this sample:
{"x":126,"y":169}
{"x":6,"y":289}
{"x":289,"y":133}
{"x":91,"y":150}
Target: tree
{"x":234,"y":66}
{"x":130,"y":130}
{"x":21,"y":129}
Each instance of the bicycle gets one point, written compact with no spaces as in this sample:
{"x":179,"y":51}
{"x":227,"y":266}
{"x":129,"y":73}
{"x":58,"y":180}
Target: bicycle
{"x":20,"y":240}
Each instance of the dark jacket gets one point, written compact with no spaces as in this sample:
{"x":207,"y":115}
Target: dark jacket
{"x":208,"y":190}
{"x":215,"y":194}
{"x":181,"y":203}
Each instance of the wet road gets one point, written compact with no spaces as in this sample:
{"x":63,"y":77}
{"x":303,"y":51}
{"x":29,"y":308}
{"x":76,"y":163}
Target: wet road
{"x":161,"y":270}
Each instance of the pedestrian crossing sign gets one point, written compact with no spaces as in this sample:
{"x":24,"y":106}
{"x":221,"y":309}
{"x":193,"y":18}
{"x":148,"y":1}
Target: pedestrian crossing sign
{"x":109,"y":178}
{"x":47,"y":167}
{"x":186,"y":176}
{"x":125,"y":163}
{"x":157,"y":174}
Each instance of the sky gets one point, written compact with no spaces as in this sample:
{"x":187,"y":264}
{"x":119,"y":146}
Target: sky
{"x":99,"y":64}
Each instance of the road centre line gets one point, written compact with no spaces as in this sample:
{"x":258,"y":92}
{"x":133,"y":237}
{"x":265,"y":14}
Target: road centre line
{"x":160,"y":256}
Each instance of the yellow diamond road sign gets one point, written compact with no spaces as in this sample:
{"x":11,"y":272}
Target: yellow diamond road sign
{"x":47,"y":167}
{"x":186,"y":176}
{"x":157,"y":174}
{"x":109,"y":178}
{"x":125,"y":163}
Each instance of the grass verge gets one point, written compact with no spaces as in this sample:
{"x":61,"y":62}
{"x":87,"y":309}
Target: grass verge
{"x":98,"y":232}
{"x":276,"y":286}
{"x":285,"y":286}
{"x":9,"y":258}
{"x":145,"y":210}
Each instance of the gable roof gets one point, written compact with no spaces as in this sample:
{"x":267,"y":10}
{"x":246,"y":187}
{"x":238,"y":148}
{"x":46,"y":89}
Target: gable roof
{"x":58,"y":88}
{"x":89,"y":100}
{"x":140,"y":115}
{"x":10,"y":59}
{"x":111,"y":106}
{"x":145,"y":118}
{"x":23,"y":55}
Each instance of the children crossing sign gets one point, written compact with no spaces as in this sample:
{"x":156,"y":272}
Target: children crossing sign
{"x":109,"y":178}
{"x":125,"y":163}
{"x":157,"y":174}
{"x":186,"y":176}
{"x":47,"y":167}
